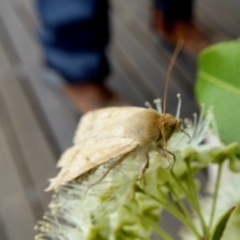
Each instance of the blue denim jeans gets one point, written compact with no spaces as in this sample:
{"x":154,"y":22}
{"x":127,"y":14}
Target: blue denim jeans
{"x":75,"y":35}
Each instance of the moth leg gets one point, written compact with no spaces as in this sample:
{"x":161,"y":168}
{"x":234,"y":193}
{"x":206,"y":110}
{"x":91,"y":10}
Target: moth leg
{"x":144,"y":169}
{"x":119,"y":161}
{"x":164,"y":139}
{"x":165,"y":146}
{"x":170,"y":153}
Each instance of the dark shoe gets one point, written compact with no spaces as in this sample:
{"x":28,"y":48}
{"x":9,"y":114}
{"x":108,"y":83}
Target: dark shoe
{"x":84,"y":96}
{"x":194,"y":39}
{"x":90,"y":96}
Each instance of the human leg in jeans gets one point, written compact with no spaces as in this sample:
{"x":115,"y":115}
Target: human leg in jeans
{"x":74,"y":35}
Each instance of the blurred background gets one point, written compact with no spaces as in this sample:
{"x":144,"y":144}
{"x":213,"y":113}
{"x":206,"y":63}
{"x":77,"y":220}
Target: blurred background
{"x":37,"y":121}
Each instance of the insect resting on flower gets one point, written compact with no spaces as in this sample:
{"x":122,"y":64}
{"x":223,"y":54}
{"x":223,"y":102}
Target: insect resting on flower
{"x":114,"y":133}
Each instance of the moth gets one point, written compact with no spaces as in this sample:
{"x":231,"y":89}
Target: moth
{"x":114,"y":133}
{"x":110,"y":133}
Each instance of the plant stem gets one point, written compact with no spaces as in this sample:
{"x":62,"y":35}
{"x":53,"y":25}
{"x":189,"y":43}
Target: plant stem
{"x":180,"y":185}
{"x":157,"y":229}
{"x":192,"y":194}
{"x":171,"y":208}
{"x":183,"y":209}
{"x":179,"y":201}
{"x":215,"y":195}
{"x":194,"y":198}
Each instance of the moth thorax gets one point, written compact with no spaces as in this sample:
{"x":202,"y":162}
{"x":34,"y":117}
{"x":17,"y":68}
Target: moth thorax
{"x":143,"y":126}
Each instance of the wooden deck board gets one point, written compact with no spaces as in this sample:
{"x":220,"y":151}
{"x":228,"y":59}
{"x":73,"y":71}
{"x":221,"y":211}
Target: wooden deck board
{"x":19,"y":160}
{"x":131,"y":70}
{"x":37,"y":153}
{"x":15,"y":211}
{"x":122,"y":84}
{"x":151,"y":72}
{"x":59,"y":116}
{"x":140,"y":26}
{"x":222,"y":18}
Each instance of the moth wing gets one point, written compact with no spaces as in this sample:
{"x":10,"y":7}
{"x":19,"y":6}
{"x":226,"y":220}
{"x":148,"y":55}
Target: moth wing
{"x":99,"y":121}
{"x":116,"y":131}
{"x":89,"y":154}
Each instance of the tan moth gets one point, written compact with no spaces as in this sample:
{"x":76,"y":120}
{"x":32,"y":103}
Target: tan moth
{"x":114,"y":133}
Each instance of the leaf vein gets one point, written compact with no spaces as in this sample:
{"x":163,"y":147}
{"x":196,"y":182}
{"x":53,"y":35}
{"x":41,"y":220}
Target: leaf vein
{"x":219,"y":83}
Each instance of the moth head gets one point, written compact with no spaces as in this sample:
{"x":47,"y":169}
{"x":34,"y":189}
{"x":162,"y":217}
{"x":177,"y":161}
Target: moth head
{"x":169,"y":125}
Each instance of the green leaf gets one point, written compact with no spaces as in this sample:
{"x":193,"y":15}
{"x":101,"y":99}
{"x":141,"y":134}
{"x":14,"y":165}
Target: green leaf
{"x":231,"y":231}
{"x":220,"y":226}
{"x":218,"y":84}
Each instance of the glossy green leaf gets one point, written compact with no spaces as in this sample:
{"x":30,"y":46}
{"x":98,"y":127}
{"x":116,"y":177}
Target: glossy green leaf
{"x":220,"y":226}
{"x":218,"y":84}
{"x":232,"y":229}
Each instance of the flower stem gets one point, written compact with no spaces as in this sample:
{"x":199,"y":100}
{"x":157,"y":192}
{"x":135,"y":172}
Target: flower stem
{"x":157,"y":229}
{"x":215,"y":195}
{"x":179,"y":201}
{"x":184,"y":209}
{"x":194,"y":198}
{"x":180,"y":184}
{"x":171,"y":208}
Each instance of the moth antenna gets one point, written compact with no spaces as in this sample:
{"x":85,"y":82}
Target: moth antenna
{"x":169,"y":71}
{"x":158,"y":105}
{"x":148,"y":105}
{"x":179,"y":105}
